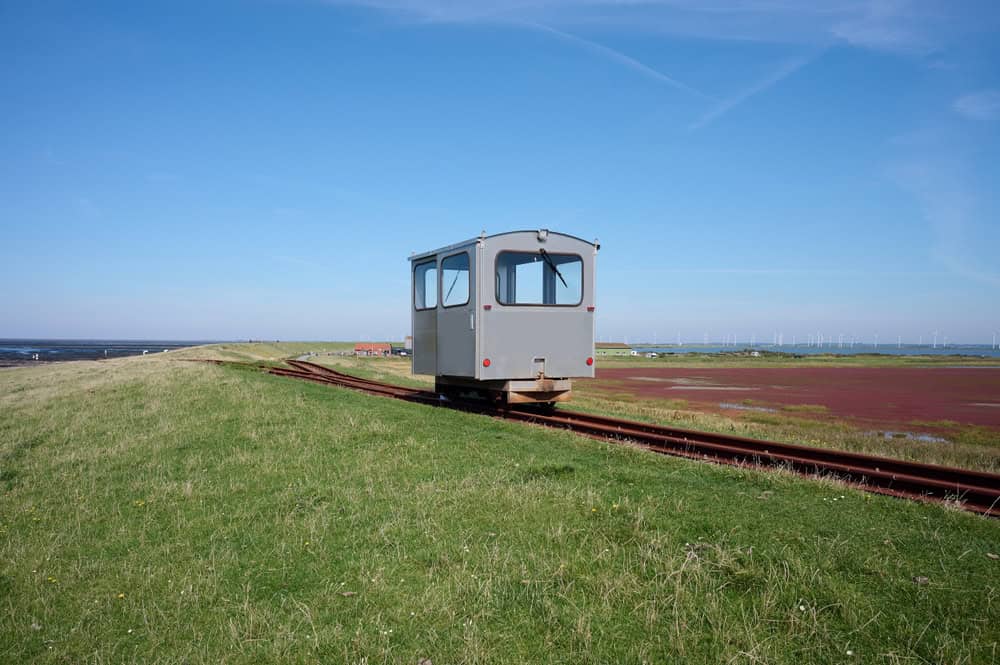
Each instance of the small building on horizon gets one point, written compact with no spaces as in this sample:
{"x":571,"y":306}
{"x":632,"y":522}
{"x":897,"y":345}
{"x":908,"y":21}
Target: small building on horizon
{"x":610,"y":349}
{"x":380,"y":349}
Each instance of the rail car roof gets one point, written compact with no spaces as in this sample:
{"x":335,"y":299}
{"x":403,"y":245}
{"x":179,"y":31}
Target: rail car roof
{"x":447,"y":248}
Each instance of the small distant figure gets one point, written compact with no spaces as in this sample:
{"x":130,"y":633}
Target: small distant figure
{"x":145,"y":351}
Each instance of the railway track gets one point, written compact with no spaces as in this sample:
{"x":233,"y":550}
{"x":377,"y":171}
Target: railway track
{"x":976,"y":491}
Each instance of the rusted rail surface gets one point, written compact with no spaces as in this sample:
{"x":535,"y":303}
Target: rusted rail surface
{"x":976,"y":491}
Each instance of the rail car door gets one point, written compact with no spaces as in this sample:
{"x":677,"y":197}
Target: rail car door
{"x":425,"y":303}
{"x":456,"y":324}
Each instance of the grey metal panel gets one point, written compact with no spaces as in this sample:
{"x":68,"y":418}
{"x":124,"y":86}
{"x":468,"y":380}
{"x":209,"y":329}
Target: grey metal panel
{"x":482,"y":269}
{"x":534,"y":232}
{"x":424,"y":330}
{"x":454,"y":341}
{"x":514,"y":336}
{"x":425,"y":341}
{"x":456,"y":326}
{"x":553,"y":235}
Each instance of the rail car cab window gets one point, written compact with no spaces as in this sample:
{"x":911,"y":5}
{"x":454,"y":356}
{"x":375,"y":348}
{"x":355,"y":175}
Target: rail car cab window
{"x":455,"y":280}
{"x":539,"y":278}
{"x":425,"y":285}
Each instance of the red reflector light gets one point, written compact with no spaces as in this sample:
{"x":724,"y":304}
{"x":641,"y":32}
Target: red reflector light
{"x":590,"y":361}
{"x":590,"y":308}
{"x":486,"y":362}
{"x":487,"y":307}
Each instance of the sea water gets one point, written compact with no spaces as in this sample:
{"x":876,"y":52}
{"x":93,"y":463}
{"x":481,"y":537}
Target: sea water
{"x":18,"y":351}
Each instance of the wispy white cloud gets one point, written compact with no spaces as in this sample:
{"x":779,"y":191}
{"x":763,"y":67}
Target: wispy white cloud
{"x":619,"y":57}
{"x":949,"y":207}
{"x":902,"y":26}
{"x":785,"y":70}
{"x":982,"y":105}
{"x":889,"y":25}
{"x":908,"y":26}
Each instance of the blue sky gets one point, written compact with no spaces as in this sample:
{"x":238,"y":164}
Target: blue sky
{"x":259,"y":169}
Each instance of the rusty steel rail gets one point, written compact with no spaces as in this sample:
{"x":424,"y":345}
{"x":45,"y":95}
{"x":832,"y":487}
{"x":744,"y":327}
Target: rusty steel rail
{"x":976,"y":491}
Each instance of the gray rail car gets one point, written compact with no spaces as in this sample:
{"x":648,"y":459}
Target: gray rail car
{"x":507,"y":316}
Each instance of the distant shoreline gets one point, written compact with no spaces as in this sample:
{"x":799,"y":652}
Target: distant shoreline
{"x":20,"y":352}
{"x":6,"y":363}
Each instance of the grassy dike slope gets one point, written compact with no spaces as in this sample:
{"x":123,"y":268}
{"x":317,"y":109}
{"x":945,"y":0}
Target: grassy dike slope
{"x":163,"y":511}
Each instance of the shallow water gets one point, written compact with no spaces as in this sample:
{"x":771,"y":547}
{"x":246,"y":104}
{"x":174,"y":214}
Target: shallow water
{"x":24,"y":350}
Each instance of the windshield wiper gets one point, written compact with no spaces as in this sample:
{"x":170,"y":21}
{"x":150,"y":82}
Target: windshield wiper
{"x":453,"y":283}
{"x":545,"y":255}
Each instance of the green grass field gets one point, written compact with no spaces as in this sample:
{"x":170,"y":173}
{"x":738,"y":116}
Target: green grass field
{"x":967,"y":446}
{"x":173,"y":512}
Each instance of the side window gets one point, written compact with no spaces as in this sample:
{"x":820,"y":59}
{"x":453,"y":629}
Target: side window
{"x":425,"y":285}
{"x":455,"y":280}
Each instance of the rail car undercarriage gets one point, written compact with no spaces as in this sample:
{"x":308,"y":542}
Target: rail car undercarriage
{"x":505,"y":391}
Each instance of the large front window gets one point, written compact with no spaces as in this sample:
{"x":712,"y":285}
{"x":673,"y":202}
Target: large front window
{"x":539,"y":278}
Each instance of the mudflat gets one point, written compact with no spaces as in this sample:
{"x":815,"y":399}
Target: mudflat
{"x":881,"y":396}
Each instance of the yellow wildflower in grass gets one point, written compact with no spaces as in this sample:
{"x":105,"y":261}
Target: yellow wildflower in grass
{"x":121,"y":596}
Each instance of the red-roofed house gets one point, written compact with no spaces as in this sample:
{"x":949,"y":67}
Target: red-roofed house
{"x":372,"y":349}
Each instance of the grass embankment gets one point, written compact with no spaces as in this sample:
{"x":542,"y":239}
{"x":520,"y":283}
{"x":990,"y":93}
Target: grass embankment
{"x":259,"y":351}
{"x":965,"y":446}
{"x":159,"y":511}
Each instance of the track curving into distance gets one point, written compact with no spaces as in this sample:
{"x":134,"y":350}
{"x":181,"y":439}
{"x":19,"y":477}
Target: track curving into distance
{"x":976,"y":491}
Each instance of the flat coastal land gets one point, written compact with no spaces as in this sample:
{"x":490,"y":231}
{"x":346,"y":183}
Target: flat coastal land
{"x":154,"y":509}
